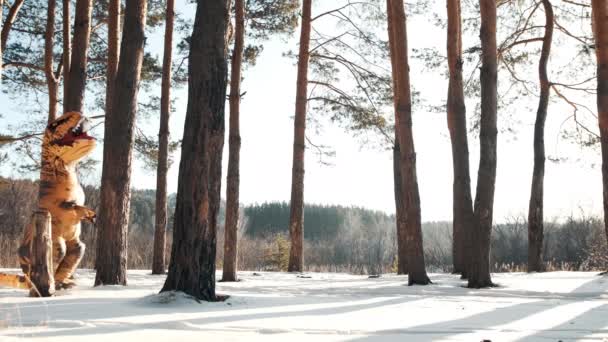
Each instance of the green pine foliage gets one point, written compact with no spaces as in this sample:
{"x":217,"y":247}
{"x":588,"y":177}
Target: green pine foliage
{"x":321,"y":222}
{"x":276,"y":257}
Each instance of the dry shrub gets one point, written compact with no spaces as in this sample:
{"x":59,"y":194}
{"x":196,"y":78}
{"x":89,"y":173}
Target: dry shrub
{"x":597,"y":260}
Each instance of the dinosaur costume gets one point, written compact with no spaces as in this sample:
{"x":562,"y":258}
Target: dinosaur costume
{"x":65,"y":143}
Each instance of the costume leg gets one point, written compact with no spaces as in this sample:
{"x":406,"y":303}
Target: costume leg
{"x":25,"y":249}
{"x":59,"y":252}
{"x":74,"y":252}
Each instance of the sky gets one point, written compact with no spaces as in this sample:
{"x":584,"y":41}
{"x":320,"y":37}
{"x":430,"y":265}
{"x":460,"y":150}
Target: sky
{"x":361,"y":175}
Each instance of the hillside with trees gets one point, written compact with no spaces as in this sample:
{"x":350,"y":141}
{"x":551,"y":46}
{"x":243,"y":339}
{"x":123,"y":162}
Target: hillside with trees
{"x":337,"y":238}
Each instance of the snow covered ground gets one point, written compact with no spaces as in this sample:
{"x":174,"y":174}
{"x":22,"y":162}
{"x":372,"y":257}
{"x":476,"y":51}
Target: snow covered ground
{"x":270,"y":307}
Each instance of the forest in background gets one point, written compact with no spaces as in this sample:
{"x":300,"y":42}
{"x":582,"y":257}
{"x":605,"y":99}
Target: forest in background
{"x":343,"y":73}
{"x":337,"y":238}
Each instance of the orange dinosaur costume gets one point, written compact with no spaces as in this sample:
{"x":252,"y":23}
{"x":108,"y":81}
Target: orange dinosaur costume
{"x":65,"y":143}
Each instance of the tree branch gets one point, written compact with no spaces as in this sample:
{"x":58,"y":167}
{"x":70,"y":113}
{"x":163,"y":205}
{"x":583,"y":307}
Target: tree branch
{"x":8,"y":23}
{"x":576,"y":3}
{"x":338,"y":9}
{"x":4,"y":139}
{"x":23,"y":65}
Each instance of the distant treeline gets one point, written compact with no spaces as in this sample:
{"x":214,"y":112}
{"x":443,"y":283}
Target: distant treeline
{"x":338,"y":238}
{"x":18,"y":196}
{"x":321,"y":222}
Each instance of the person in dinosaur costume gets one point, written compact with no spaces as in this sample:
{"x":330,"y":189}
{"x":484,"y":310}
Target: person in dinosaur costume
{"x":65,"y":143}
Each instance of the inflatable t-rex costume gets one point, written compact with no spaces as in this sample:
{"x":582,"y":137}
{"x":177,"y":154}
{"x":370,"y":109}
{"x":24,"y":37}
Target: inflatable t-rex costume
{"x":65,"y":143}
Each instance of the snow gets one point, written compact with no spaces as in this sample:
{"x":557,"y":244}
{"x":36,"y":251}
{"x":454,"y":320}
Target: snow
{"x":267,"y":306}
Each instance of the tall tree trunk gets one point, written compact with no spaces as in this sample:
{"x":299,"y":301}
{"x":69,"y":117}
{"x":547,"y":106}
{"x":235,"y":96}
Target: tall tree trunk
{"x":600,"y":32}
{"x":535,"y":211}
{"x":479,"y":272}
{"x":217,"y":132}
{"x":51,"y":81}
{"x":78,"y":67}
{"x":216,"y":149}
{"x":296,"y":211}
{"x":1,"y":40}
{"x":113,"y":41}
{"x":67,"y":49}
{"x":234,"y":145}
{"x":400,"y":219}
{"x":115,"y":197}
{"x":192,"y":265}
{"x":403,"y":123}
{"x":457,"y":125}
{"x":400,"y":222}
{"x":160,"y":230}
{"x":7,"y":25}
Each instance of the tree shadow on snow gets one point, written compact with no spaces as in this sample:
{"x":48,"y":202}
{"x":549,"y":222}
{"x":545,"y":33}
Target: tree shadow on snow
{"x":102,"y":315}
{"x":590,"y":322}
{"x":96,"y":325}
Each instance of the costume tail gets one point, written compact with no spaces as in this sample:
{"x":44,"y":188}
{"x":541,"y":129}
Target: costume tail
{"x":15,"y":281}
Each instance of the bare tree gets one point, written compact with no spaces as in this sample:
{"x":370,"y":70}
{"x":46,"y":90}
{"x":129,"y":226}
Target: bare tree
{"x":479,"y":270}
{"x":111,"y":262}
{"x":160,"y":230}
{"x":403,"y":124}
{"x":535,"y":211}
{"x":192,"y":265}
{"x":296,"y":215}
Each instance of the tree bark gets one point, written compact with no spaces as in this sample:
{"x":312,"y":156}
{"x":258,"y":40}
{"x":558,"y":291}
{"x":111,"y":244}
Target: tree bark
{"x":192,"y":265}
{"x":67,"y":49}
{"x":479,"y":272}
{"x":457,"y":125}
{"x":600,"y":32}
{"x":234,"y":148}
{"x":535,"y":211}
{"x":1,"y":40}
{"x":51,"y":81}
{"x":115,"y":197}
{"x":7,"y":25}
{"x":403,"y":123}
{"x":397,"y":184}
{"x":160,"y":230}
{"x":77,"y":77}
{"x":400,"y":220}
{"x":8,"y":22}
{"x":296,"y":212}
{"x":113,"y":42}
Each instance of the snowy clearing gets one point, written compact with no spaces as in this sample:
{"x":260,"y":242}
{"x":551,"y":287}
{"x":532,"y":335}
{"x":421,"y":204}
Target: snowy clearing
{"x":271,"y":307}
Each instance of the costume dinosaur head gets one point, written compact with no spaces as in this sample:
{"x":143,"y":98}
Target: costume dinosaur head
{"x":66,"y":138}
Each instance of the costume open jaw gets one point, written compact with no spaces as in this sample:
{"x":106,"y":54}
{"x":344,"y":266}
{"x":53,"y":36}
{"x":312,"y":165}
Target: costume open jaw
{"x":78,"y":132}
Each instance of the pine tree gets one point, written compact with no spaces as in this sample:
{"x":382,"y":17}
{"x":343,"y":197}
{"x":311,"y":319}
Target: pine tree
{"x":192,"y":265}
{"x":296,"y":216}
{"x":536,"y":208}
{"x":457,"y":125}
{"x":403,"y":125}
{"x":600,"y":33}
{"x":111,"y":262}
{"x":158,"y":260}
{"x":479,"y":269}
